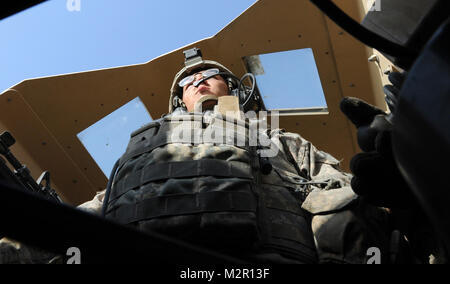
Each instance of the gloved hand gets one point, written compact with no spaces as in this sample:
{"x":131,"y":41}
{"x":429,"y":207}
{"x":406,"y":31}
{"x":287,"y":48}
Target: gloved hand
{"x":376,"y":176}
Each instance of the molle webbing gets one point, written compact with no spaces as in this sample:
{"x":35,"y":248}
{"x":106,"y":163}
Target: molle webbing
{"x":185,"y":204}
{"x":160,"y":133}
{"x":184,"y":169}
{"x":230,"y":196}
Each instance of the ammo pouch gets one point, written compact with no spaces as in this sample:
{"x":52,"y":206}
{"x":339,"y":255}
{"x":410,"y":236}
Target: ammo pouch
{"x":189,"y":176}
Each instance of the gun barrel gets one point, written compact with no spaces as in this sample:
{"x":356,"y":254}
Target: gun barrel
{"x":22,"y":176}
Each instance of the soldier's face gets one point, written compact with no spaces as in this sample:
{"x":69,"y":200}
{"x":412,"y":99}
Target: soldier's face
{"x":213,"y":86}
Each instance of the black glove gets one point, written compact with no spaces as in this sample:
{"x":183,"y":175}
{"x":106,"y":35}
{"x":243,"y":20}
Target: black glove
{"x":376,"y":176}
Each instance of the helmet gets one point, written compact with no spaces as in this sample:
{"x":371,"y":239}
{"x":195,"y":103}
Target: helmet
{"x":193,"y":64}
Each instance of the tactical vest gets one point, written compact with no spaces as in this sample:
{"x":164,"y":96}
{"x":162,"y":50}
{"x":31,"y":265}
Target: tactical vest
{"x":198,"y":178}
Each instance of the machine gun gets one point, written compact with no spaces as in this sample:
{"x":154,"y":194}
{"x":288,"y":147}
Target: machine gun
{"x":21,"y":177}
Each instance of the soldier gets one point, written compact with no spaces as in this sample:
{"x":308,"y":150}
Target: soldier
{"x":196,"y":174}
{"x":293,"y":206}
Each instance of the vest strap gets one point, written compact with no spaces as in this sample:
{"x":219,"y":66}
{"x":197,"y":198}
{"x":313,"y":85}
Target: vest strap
{"x":185,"y":204}
{"x":160,"y":134}
{"x":182,"y":169}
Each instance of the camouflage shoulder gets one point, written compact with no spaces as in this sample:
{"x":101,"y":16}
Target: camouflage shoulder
{"x":321,"y":201}
{"x":95,"y":205}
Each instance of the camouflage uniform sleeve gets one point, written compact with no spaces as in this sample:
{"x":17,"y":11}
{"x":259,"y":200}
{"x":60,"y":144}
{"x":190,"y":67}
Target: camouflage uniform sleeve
{"x":95,"y":205}
{"x":345,"y":228}
{"x":316,"y":166}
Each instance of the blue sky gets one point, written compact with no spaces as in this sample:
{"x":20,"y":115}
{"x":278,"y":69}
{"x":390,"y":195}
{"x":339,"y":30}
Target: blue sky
{"x":49,"y":39}
{"x":294,"y":75}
